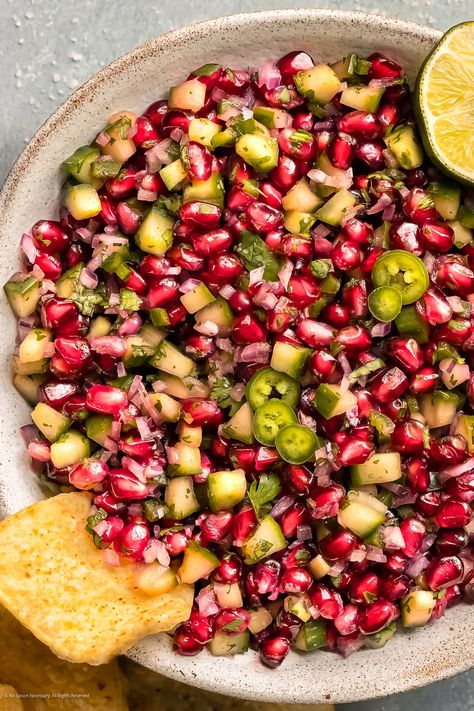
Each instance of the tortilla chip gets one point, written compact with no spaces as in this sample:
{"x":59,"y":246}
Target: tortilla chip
{"x":9,"y":699}
{"x":55,"y":581}
{"x":152,"y":692}
{"x":36,"y":672}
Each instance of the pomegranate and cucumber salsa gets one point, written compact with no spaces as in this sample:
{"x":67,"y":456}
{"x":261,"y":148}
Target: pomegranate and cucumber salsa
{"x":249,"y":337}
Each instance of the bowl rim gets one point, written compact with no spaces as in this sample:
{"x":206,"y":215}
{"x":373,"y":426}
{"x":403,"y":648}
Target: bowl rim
{"x":143,"y":651}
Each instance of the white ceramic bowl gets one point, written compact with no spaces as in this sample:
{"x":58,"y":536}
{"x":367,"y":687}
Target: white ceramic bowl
{"x":31,"y":191}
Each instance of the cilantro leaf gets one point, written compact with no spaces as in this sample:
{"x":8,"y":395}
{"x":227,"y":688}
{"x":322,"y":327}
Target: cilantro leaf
{"x":220,"y":391}
{"x":255,"y":253}
{"x":320,"y":268}
{"x":87,"y":300}
{"x":129,"y":300}
{"x":262,"y":492}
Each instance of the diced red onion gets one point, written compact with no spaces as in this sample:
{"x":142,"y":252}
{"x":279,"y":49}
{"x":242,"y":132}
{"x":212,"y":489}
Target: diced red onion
{"x":207,"y":328}
{"x":28,"y":433}
{"x":323,"y":126}
{"x":265,"y":298}
{"x":353,"y":416}
{"x":427,"y":542}
{"x":383,"y":201}
{"x":304,"y":532}
{"x":344,"y":385}
{"x":218,"y":94}
{"x":156,"y":550}
{"x":134,"y":386}
{"x":49,"y":350}
{"x":452,"y":373}
{"x":102,"y":139}
{"x":143,"y":428}
{"x":28,"y":247}
{"x":404,"y":191}
{"x":285,"y":273}
{"x":376,"y":554}
{"x":321,"y":230}
{"x":237,"y":392}
{"x":153,"y":159}
{"x":206,"y":601}
{"x":38,"y":273}
{"x":344,"y":363}
{"x":454,"y":424}
{"x":382,"y":82}
{"x":189,"y":285}
{"x":115,"y":430}
{"x":110,"y":445}
{"x":393,"y":537}
{"x":39,"y":449}
{"x":176,"y":134}
{"x":388,"y":213}
{"x":109,"y":345}
{"x":147,"y":195}
{"x":348,"y":645}
{"x":358,"y":555}
{"x":417,"y":566}
{"x":429,"y":262}
{"x":224,"y":344}
{"x":159,"y":386}
{"x":390,"y":158}
{"x":337,"y":568}
{"x":172,"y":455}
{"x":227,"y":291}
{"x":282,"y":505}
{"x":343,"y":180}
{"x":130,"y":326}
{"x":161,"y":151}
{"x":88,"y":278}
{"x":456,"y":304}
{"x":255,"y":353}
{"x":269,"y":75}
{"x":256,"y":275}
{"x":456,"y":470}
{"x":380,"y":330}
{"x":229,"y":112}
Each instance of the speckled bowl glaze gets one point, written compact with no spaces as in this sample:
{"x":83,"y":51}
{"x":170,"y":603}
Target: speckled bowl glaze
{"x":31,"y":191}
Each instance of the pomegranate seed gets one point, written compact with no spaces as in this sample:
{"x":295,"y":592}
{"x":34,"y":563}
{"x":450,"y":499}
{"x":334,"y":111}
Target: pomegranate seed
{"x":123,"y":186}
{"x":424,"y":380}
{"x":87,"y":474}
{"x":381,"y":67}
{"x":175,"y":542}
{"x":299,"y":479}
{"x":229,"y":569}
{"x":411,"y":208}
{"x":346,"y":255}
{"x":448,"y":450}
{"x":114,"y":526}
{"x":325,"y":501}
{"x":106,"y":399}
{"x":437,"y":236}
{"x":49,"y":265}
{"x":225,"y":268}
{"x":443,"y":572}
{"x":132,"y":540}
{"x":358,"y":231}
{"x":263,"y":217}
{"x":267,"y":576}
{"x":434,"y":307}
{"x":394,"y":586}
{"x":271,"y":195}
{"x":295,"y":580}
{"x":364,"y":588}
{"x":200,"y":214}
{"x":247,"y":329}
{"x":292,"y":518}
{"x":371,"y":153}
{"x":408,"y":437}
{"x":354,"y":451}
{"x":198,"y":161}
{"x":162,"y":292}
{"x":327,"y":602}
{"x":107,"y":502}
{"x":200,"y":347}
{"x":50,"y":236}
{"x":451,"y":273}
{"x":244,"y":523}
{"x":360,"y":124}
{"x":413,"y":532}
{"x":388,"y":385}
{"x":273,"y":650}
{"x":201,"y":412}
{"x":265,"y":458}
{"x":453,"y":514}
{"x":315,"y":333}
{"x":338,"y":545}
{"x":406,"y":352}
{"x":323,"y":365}
{"x":185,"y":643}
{"x":286,"y":174}
{"x":292,"y":63}
{"x":388,"y":115}
{"x":342,"y":151}
{"x":215,"y":527}
{"x":125,"y":486}
{"x":405,"y":236}
{"x":232,"y":622}
{"x":428,"y":503}
{"x":451,"y":541}
{"x":418,"y":475}
{"x":377,"y":615}
{"x":461,"y":487}
{"x":201,"y":628}
{"x":354,"y":297}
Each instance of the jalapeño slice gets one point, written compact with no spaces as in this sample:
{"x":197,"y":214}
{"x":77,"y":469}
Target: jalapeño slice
{"x":296,"y":443}
{"x":270,"y":418}
{"x":268,"y":383}
{"x":404,"y":272}
{"x":385,"y":303}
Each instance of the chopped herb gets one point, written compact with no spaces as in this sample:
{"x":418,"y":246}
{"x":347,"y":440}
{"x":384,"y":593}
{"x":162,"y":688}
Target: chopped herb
{"x":263,"y":492}
{"x":87,"y":300}
{"x":255,"y":253}
{"x":320,"y":268}
{"x":366,"y":369}
{"x":129,"y":300}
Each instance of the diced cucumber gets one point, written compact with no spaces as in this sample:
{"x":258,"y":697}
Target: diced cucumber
{"x":261,"y":152}
{"x":405,"y":146}
{"x":197,"y":563}
{"x":154,"y":579}
{"x":301,"y":197}
{"x":219,"y":312}
{"x":264,"y":541}
{"x":318,"y":567}
{"x":270,"y":117}
{"x":67,"y":283}
{"x":169,"y":409}
{"x":298,"y":222}
{"x":417,"y":608}
{"x":168,"y":358}
{"x":226,"y":138}
{"x":188,"y":96}
{"x":260,"y":618}
{"x":289,"y":358}
{"x":351,"y":66}
{"x":27,"y":386}
{"x":120,"y":148}
{"x":37,"y":366}
{"x":180,"y":497}
{"x":178,"y":387}
{"x":174,"y":175}
{"x":33,"y":345}
{"x":51,"y":423}
{"x":202,"y":130}
{"x":466,"y":216}
{"x":197,"y":298}
{"x":159,"y":317}
{"x":364,"y":497}
{"x":462,"y":234}
{"x":439,"y":408}
{"x":98,"y":427}
{"x":188,"y":460}
{"x":465,"y":427}
{"x":189,"y":434}
{"x":79,"y":165}
{"x":210,"y":190}
{"x":379,"y":468}
{"x":330,"y":402}
{"x":224,"y":645}
{"x":226,"y":489}
{"x":410,"y":324}
{"x":319,"y":84}
{"x":311,"y":636}
{"x":446,"y":197}
{"x":358,"y":517}
{"x":151,"y":334}
{"x":240,"y":426}
{"x":380,"y":639}
{"x":336,"y":208}
{"x":228,"y":595}
{"x":362,"y":97}
{"x":138,"y":352}
{"x":298,"y":605}
{"x":82,"y":201}
{"x":70,"y":448}
{"x":23,"y":296}
{"x":323,"y":163}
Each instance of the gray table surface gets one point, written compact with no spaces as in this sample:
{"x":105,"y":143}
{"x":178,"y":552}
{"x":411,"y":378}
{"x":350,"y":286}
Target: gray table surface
{"x":49,"y":47}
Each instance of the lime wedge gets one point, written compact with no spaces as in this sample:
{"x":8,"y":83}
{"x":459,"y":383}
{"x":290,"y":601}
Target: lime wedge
{"x":444,"y":103}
